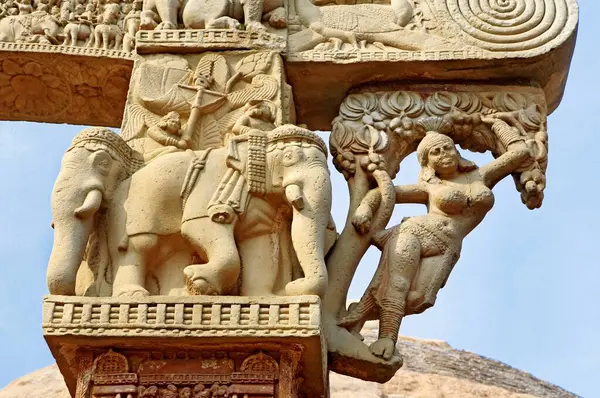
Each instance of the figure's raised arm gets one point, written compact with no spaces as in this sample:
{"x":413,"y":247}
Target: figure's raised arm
{"x":516,"y":153}
{"x":416,"y":193}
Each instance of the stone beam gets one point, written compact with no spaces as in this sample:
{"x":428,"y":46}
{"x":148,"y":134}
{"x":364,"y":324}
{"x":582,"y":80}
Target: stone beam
{"x":85,"y":81}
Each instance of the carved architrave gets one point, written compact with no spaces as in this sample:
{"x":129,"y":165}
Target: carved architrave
{"x":373,"y":133}
{"x":425,"y":40}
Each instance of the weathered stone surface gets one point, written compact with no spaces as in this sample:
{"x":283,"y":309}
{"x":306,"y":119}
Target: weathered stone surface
{"x":433,"y":370}
{"x":374,"y":132}
{"x":163,"y":340}
{"x":330,"y":48}
{"x":211,"y":191}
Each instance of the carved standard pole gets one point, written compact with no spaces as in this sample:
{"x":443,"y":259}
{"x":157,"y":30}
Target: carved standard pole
{"x":194,"y":253}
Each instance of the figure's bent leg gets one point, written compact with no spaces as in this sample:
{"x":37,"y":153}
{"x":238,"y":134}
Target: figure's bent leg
{"x":130,"y":275}
{"x":403,"y":254}
{"x":434,"y":271}
{"x":222,"y":270}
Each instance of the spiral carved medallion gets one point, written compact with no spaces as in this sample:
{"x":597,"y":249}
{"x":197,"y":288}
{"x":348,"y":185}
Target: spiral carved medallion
{"x":513,"y":25}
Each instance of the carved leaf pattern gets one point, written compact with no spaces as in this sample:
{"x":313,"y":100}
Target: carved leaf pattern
{"x":405,"y":115}
{"x":34,"y":89}
{"x":254,"y":64}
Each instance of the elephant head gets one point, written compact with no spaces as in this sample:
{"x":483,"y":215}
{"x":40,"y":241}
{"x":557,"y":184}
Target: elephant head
{"x":97,"y":161}
{"x":298,"y":165}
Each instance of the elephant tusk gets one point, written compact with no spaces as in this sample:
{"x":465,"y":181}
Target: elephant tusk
{"x":90,"y":205}
{"x":293,"y":193}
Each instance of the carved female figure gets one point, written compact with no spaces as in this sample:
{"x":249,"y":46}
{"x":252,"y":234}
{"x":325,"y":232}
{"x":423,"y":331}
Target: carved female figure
{"x":419,"y":254}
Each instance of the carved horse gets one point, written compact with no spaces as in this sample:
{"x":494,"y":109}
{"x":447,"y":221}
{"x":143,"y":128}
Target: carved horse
{"x":76,"y":31}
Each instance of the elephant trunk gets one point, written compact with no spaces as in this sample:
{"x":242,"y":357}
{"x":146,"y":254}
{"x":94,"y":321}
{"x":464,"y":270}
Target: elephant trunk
{"x":71,"y":232}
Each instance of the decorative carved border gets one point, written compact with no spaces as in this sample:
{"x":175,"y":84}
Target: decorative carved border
{"x":67,"y":50}
{"x":150,"y":41}
{"x":194,"y":316}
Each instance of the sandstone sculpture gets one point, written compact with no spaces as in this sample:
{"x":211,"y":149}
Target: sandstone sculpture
{"x":457,"y":195}
{"x":167,"y":206}
{"x":207,"y":14}
{"x":200,"y":237}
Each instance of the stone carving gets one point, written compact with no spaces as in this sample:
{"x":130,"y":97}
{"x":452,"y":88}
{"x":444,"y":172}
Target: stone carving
{"x":209,"y":98}
{"x":80,"y":28}
{"x":144,"y":214}
{"x":372,"y":135}
{"x":257,"y":349}
{"x":30,"y":27}
{"x":213,"y":14}
{"x":359,"y":25}
{"x":80,"y":91}
{"x":458,"y":195}
{"x":208,"y":217}
{"x":245,"y":197}
{"x":107,"y":33}
{"x":433,"y":26}
{"x":515,"y":25}
{"x":131,"y":25}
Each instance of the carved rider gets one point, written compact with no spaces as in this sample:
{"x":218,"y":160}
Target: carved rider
{"x":65,"y":11}
{"x":258,"y":114}
{"x":131,"y":25}
{"x":8,"y":9}
{"x":168,"y":133}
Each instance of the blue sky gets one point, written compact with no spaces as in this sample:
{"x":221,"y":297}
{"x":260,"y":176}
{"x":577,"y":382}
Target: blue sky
{"x":526,"y":290}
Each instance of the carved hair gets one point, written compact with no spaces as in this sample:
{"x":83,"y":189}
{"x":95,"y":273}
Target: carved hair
{"x":167,"y":118}
{"x":432,"y":139}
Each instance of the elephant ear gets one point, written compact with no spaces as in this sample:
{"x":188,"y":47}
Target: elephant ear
{"x":101,"y":160}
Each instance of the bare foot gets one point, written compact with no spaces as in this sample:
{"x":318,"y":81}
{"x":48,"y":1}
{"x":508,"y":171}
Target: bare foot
{"x":383,"y":348}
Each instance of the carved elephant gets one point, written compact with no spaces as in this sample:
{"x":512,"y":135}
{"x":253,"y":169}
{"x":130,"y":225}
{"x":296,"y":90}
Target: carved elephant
{"x":39,"y":27}
{"x":219,"y":210}
{"x":207,"y":14}
{"x":108,"y":36}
